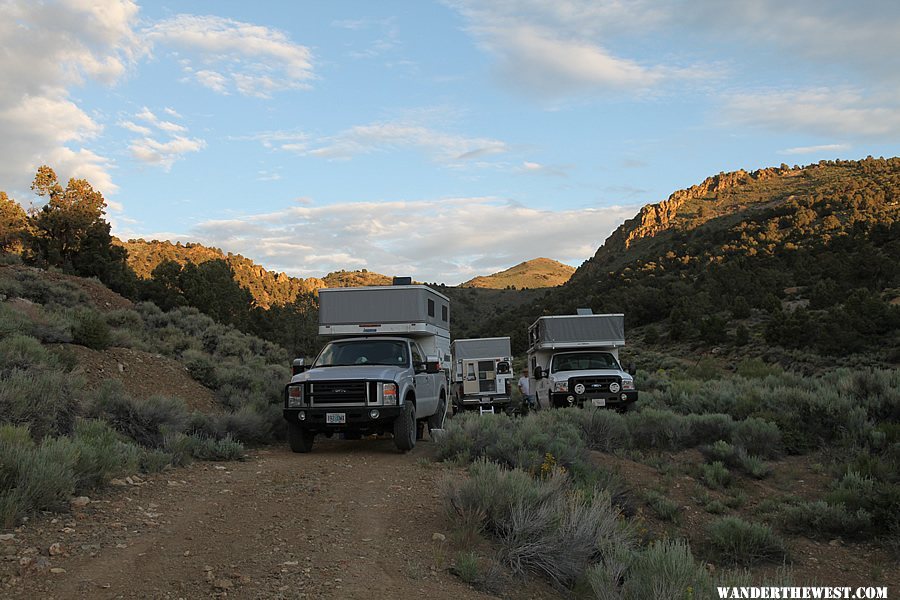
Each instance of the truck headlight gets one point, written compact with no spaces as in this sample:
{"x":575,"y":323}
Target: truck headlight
{"x":628,"y":384}
{"x":561,"y":386}
{"x":389,"y":394}
{"x":295,"y":396}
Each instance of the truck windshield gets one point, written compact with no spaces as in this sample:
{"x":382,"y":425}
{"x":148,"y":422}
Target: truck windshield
{"x":583,"y":361}
{"x":364,"y":352}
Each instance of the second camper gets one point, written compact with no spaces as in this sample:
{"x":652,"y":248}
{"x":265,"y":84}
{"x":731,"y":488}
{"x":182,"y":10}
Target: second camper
{"x":480,"y":374}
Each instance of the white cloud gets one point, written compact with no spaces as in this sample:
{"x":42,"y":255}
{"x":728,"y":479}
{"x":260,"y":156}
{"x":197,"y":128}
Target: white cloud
{"x":557,"y":48}
{"x":815,"y":149}
{"x":535,"y":168}
{"x":387,"y":136}
{"x":164,"y":154}
{"x":49,"y":48}
{"x":394,"y":238}
{"x":150,"y":149}
{"x":249,"y":59}
{"x":212,"y":80}
{"x":820,"y":111}
{"x":829,"y":32}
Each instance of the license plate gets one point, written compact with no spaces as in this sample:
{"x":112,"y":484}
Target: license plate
{"x":599,"y":401}
{"x":335,"y":418}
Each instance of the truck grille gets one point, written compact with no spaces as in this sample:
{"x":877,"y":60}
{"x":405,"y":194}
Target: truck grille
{"x":594,"y":385}
{"x":338,"y":392}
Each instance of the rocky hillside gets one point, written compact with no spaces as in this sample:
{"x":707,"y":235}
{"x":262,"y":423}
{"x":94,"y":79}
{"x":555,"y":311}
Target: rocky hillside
{"x":534,"y":273}
{"x":269,"y":288}
{"x":804,"y":258}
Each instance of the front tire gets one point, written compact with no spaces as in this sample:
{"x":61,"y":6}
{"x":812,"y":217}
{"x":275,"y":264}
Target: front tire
{"x":405,"y":428}
{"x":300,"y":440}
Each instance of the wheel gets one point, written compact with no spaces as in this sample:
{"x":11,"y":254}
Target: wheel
{"x":405,"y":428}
{"x":300,"y":439}
{"x":436,"y":421}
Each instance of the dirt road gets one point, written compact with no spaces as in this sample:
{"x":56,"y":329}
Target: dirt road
{"x":350,"y":520}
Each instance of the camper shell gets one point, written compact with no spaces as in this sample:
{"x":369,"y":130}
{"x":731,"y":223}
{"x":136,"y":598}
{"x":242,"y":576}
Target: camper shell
{"x":574,"y":360}
{"x":382,"y":371}
{"x":480,"y":373}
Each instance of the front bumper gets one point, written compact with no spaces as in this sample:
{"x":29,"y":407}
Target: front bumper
{"x":358,"y":418}
{"x":476,"y":401}
{"x":561,"y":399}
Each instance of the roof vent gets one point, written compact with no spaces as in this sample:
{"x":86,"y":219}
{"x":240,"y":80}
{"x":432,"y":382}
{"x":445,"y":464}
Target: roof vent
{"x":584,"y":311}
{"x":402,"y":281}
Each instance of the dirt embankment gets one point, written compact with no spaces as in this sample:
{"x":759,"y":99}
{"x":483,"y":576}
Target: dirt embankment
{"x":143,"y":375}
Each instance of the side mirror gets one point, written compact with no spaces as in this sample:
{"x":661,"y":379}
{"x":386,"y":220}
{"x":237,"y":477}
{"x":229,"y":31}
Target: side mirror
{"x":298,"y":366}
{"x":432,"y":364}
{"x":538,"y":373}
{"x":631,"y":369}
{"x":419,"y":366}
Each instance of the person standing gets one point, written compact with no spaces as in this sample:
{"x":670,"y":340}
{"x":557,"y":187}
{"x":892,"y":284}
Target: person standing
{"x":525,"y":389}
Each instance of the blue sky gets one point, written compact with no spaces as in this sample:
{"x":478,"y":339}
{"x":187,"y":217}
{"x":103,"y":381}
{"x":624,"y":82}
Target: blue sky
{"x":436,"y":139}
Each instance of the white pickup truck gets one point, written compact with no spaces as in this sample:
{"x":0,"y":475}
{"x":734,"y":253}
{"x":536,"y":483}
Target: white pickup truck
{"x":381,"y":373}
{"x":574,"y":361}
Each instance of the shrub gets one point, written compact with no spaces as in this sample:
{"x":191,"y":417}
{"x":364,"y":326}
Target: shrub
{"x":33,"y":477}
{"x":721,"y":451}
{"x":38,"y":288}
{"x":90,"y":330}
{"x":758,"y":437}
{"x":154,"y":461}
{"x":180,"y":447}
{"x":715,"y":475}
{"x":880,"y":499}
{"x":52,"y":327}
{"x":659,"y":429}
{"x":12,"y":322}
{"x":738,"y":542}
{"x":715,"y":507}
{"x":46,"y":401}
{"x":819,"y":518}
{"x":734,"y":457}
{"x":201,"y":367}
{"x":466,"y":567}
{"x":752,"y":465}
{"x":756,"y":368}
{"x":100,"y":454}
{"x":604,"y":430}
{"x":542,"y":527}
{"x":249,"y":426}
{"x":665,"y":509}
{"x":709,"y":428}
{"x":667,"y":569}
{"x":146,"y":422}
{"x":212,"y":449}
{"x":24,"y":352}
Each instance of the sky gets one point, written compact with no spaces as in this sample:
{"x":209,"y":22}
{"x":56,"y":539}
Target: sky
{"x":436,"y":139}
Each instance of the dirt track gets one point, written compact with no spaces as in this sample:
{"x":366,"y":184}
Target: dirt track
{"x":350,"y":520}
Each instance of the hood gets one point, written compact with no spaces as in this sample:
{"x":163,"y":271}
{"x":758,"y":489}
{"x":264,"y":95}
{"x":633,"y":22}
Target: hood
{"x":566,"y":375}
{"x":371,"y":372}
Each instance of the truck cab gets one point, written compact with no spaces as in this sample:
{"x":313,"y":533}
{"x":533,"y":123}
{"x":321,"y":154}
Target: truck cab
{"x":575,"y":362}
{"x":388,"y":380}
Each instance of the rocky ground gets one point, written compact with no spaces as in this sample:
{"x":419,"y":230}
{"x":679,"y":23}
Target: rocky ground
{"x":350,"y":520}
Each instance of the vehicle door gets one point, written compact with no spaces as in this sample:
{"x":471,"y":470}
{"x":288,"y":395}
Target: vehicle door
{"x":426,"y":390}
